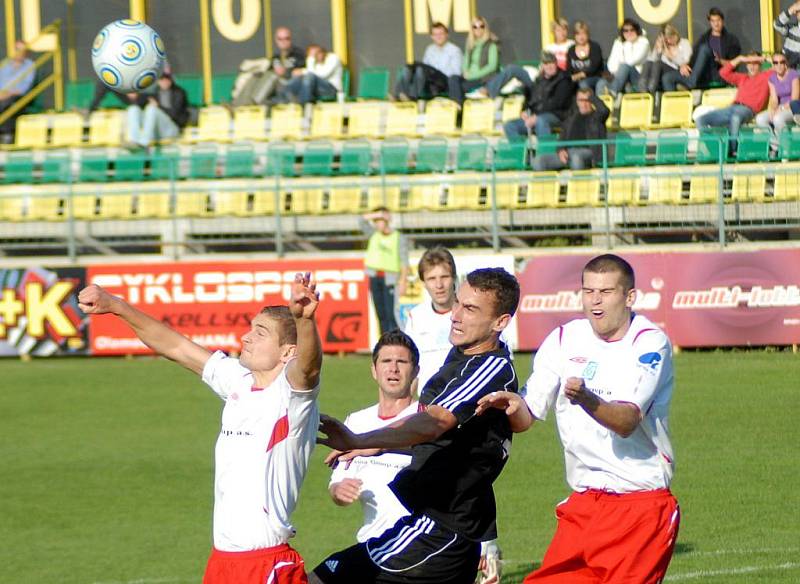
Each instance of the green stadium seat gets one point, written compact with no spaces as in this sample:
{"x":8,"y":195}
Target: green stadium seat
{"x":221,"y":87}
{"x":394,"y":156}
{"x":203,"y":161}
{"x":753,"y":145}
{"x":510,"y":155}
{"x":18,"y":168}
{"x":546,"y":144}
{"x":356,"y":157}
{"x":711,"y":145}
{"x":672,"y":147}
{"x":373,"y":83}
{"x":432,"y":155}
{"x":630,"y":149}
{"x":789,"y":143}
{"x":280,"y":160}
{"x":78,"y":94}
{"x":318,"y":159}
{"x":239,"y":161}
{"x":129,"y":166}
{"x":93,"y":167}
{"x":471,"y":153}
{"x":55,"y":168}
{"x":165,"y":163}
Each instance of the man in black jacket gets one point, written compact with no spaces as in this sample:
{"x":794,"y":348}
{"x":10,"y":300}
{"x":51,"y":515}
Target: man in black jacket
{"x":586,"y":121}
{"x":547,"y":103}
{"x":158,"y":116}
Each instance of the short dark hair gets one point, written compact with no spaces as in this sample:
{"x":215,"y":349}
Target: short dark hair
{"x":441,"y":25}
{"x":632,"y":23}
{"x":612,"y":263}
{"x":714,"y":11}
{"x":503,"y":285}
{"x":287,"y":329}
{"x":396,"y":338}
{"x":436,"y":256}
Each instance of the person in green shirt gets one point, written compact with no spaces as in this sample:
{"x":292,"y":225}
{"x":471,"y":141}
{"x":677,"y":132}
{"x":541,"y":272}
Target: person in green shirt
{"x":481,"y":61}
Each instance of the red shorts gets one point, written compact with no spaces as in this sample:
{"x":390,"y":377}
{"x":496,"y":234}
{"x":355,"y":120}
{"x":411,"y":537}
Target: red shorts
{"x":606,"y":537}
{"x":276,"y":565}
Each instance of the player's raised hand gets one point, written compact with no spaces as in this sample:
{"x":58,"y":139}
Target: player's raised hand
{"x":337,"y":435}
{"x":346,"y":491}
{"x":94,"y":300}
{"x":304,"y":299}
{"x":507,"y":401}
{"x":577,"y":394}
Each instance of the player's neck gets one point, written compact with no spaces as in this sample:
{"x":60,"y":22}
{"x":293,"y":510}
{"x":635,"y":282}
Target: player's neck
{"x":389,"y":407}
{"x":484,"y":346}
{"x":264,"y":379}
{"x":442,"y":308}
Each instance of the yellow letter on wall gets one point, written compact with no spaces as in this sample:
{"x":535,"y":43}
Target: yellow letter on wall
{"x":440,"y":11}
{"x":249,"y":21}
{"x":661,"y":14}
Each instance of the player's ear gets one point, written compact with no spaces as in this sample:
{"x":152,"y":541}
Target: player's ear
{"x":501,"y":322}
{"x":288,"y":351}
{"x":630,"y":297}
{"x":374,"y":371}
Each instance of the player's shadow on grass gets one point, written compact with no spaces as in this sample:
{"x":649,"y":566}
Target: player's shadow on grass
{"x":683,"y":548}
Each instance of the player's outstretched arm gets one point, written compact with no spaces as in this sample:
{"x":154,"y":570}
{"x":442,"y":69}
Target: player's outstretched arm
{"x":303,"y":372}
{"x":156,"y":335}
{"x":619,"y":417}
{"x":519,"y":416}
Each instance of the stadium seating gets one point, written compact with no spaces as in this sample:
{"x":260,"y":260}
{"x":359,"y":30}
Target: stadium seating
{"x":432,"y":154}
{"x":318,"y":159}
{"x":624,"y":187}
{"x":105,"y":128}
{"x":129,"y":166}
{"x":401,"y":119}
{"x":280,"y":159}
{"x":465,"y":192}
{"x":630,"y":149}
{"x":712,"y":145}
{"x":286,"y":122}
{"x":718,"y":97}
{"x":542,"y":190}
{"x":356,"y":157}
{"x":672,"y":147}
{"x":18,"y":167}
{"x":327,"y":121}
{"x":213,"y":124}
{"x":203,"y":161}
{"x":704,"y":188}
{"x":471,"y":153}
{"x":249,"y":123}
{"x":787,"y":182}
{"x":509,"y":155}
{"x":67,"y":130}
{"x":512,"y":107}
{"x":364,"y":119}
{"x":239,"y":161}
{"x":31,"y":131}
{"x":789,"y":143}
{"x":440,"y":117}
{"x":373,"y":83}
{"x":394,"y":156}
{"x":675,"y":110}
{"x":753,"y":144}
{"x":635,"y":111}
{"x":749,"y":183}
{"x":93,"y":167}
{"x":583,"y":189}
{"x":478,"y":117}
{"x":665,"y":186}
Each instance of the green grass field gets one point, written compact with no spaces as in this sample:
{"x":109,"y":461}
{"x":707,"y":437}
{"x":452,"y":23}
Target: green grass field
{"x":107,"y":472}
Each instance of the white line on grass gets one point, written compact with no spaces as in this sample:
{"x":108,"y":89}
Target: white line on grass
{"x":730,"y":572}
{"x":740,"y":551}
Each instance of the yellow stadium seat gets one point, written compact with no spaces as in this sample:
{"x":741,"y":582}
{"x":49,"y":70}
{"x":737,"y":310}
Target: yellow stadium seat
{"x":440,"y":117}
{"x":327,"y":120}
{"x":344,"y":197}
{"x":286,"y":122}
{"x":67,"y":130}
{"x":676,"y":109}
{"x":704,"y":188}
{"x":718,"y":97}
{"x":583,"y":188}
{"x":263,"y":203}
{"x":12,"y":203}
{"x":213,"y":124}
{"x":426,"y":197}
{"x":624,"y":187}
{"x":465,"y":192}
{"x":665,"y":185}
{"x":787,"y":182}
{"x":608,"y":100}
{"x":249,"y":122}
{"x":191,"y":203}
{"x":45,"y":204}
{"x":401,"y":119}
{"x":364,"y":119}
{"x":116,"y":201}
{"x":31,"y":131}
{"x":478,"y":117}
{"x":749,"y":183}
{"x":543,"y":190}
{"x":84,"y":207}
{"x":105,"y":128}
{"x":305,"y":196}
{"x":229,"y":202}
{"x":507,"y":186}
{"x":153,"y":204}
{"x":383,"y":196}
{"x":635,"y":111}
{"x":512,"y":108}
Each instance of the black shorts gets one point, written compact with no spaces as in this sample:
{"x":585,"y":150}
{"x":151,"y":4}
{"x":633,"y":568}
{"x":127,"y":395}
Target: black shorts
{"x":415,"y":549}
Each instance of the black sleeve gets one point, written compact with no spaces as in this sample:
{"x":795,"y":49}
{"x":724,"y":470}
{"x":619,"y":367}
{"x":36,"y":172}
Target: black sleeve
{"x":571,"y":58}
{"x":561,"y":100}
{"x":600,"y":108}
{"x":480,"y":377}
{"x":178,"y":110}
{"x":595,"y":60}
{"x":733,"y":49}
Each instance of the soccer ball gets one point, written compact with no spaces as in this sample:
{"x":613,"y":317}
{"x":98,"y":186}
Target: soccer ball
{"x":128,"y":55}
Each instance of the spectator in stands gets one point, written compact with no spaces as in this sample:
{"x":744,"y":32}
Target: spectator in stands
{"x":16,"y":79}
{"x":751,"y":97}
{"x":259,"y":79}
{"x":157,"y":116}
{"x":481,"y":61}
{"x":710,"y":53}
{"x":321,"y":78}
{"x":626,"y":59}
{"x":442,"y":59}
{"x":586,"y":121}
{"x":547,"y":102}
{"x":675,"y":54}
{"x":562,"y":44}
{"x":784,"y":88}
{"x":787,"y":25}
{"x":584,"y":58}
{"x":386,"y":265}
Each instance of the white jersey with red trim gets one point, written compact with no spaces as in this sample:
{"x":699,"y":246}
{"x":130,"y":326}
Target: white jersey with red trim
{"x":381,"y":507}
{"x":636,"y":369}
{"x":261,"y":456}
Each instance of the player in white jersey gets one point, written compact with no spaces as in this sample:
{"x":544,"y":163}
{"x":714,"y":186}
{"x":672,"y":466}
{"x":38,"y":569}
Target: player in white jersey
{"x":268,"y":430}
{"x":366,"y":478}
{"x":428,"y":324}
{"x":609,"y":379}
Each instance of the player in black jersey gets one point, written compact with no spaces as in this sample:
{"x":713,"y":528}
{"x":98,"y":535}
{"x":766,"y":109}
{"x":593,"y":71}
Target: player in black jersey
{"x":456,"y":455}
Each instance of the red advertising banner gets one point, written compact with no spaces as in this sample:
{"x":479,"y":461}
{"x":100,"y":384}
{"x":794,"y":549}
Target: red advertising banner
{"x":700,"y":298}
{"x":212,"y":303}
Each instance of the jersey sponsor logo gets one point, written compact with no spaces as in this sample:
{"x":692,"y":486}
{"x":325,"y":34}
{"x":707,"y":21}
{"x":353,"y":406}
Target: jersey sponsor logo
{"x":570,"y":301}
{"x":651,"y":360}
{"x":579,"y":359}
{"x":590,"y":370}
{"x":732,"y":296}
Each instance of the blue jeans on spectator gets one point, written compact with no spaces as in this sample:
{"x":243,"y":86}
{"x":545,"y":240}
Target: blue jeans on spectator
{"x":703,"y":61}
{"x":589,"y":82}
{"x":508,"y":73}
{"x":579,"y":159}
{"x":146,"y":126}
{"x":383,"y":299}
{"x":625,"y":74}
{"x":732,"y":116}
{"x":457,"y":86}
{"x":307,"y":88}
{"x":517,"y":130}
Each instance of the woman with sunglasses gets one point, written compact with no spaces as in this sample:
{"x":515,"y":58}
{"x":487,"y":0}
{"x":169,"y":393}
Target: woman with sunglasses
{"x":784,"y":88}
{"x":481,"y":61}
{"x":627,"y":57}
